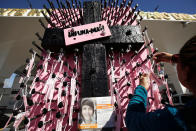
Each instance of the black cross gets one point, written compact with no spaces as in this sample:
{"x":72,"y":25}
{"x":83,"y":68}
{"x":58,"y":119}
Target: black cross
{"x":94,"y":68}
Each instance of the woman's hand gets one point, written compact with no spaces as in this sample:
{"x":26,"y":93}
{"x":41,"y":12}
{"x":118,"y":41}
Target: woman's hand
{"x":145,"y":81}
{"x":162,"y":57}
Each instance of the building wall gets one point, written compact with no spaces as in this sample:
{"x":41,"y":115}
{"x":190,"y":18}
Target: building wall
{"x":16,"y":36}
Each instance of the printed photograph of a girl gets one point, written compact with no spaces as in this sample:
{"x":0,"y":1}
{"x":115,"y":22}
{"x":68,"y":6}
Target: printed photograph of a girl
{"x":88,"y":113}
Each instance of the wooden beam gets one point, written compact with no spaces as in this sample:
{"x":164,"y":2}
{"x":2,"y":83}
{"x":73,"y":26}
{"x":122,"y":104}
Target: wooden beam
{"x":94,"y":68}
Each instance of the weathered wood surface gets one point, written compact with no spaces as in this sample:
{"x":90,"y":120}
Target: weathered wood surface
{"x":94,"y":71}
{"x":91,"y":11}
{"x":94,"y":68}
{"x":124,"y":35}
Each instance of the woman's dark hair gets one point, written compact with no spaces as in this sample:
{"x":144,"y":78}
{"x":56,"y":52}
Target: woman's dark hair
{"x":88,"y":102}
{"x":188,"y":55}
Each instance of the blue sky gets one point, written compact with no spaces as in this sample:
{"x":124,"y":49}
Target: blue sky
{"x":171,"y":6}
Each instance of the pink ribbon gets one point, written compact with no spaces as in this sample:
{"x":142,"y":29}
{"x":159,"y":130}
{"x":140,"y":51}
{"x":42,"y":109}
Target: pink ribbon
{"x":8,"y":121}
{"x":168,"y":93}
{"x":152,"y":75}
{"x":72,"y":92}
{"x":66,"y":101}
{"x":118,"y":122}
{"x":19,"y":119}
{"x":31,"y":64}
